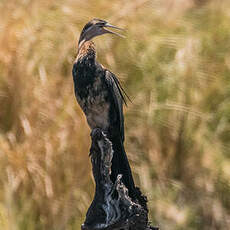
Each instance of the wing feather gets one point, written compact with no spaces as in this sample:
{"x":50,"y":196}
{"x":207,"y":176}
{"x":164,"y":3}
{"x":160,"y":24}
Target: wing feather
{"x":118,"y":96}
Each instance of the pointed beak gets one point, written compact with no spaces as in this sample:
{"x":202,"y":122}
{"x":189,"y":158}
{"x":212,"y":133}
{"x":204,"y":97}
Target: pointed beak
{"x":107,"y":25}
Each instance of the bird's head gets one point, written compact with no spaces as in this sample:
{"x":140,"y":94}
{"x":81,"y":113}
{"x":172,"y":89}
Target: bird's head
{"x":95,"y":28}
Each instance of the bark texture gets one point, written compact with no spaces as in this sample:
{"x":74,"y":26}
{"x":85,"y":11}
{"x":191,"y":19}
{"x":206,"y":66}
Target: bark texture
{"x":112,"y":208}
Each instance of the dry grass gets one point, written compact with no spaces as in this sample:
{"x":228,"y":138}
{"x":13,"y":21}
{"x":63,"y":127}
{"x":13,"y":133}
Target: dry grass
{"x":175,"y":65}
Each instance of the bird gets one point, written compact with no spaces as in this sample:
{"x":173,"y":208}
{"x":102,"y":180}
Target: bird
{"x":101,"y":97}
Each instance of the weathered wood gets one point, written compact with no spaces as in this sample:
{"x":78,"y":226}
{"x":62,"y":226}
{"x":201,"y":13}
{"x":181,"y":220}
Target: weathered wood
{"x":112,"y":208}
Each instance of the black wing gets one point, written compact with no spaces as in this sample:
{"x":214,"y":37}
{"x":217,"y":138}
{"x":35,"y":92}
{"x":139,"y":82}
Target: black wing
{"x":118,"y":96}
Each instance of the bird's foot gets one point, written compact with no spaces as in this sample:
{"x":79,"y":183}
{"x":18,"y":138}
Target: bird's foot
{"x":96,"y":134}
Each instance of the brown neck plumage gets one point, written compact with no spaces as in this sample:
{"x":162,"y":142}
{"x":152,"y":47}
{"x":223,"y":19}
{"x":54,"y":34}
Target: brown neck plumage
{"x":86,"y":48}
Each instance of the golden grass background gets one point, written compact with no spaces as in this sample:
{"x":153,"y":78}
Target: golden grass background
{"x":175,"y":66}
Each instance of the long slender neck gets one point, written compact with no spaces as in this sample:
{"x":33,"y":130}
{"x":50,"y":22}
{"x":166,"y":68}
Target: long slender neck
{"x":86,"y":49}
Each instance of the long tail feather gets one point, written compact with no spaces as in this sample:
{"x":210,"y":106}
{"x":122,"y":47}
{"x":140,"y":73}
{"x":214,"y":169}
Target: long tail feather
{"x":120,"y":165}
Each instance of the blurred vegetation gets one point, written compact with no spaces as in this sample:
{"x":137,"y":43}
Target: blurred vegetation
{"x":174,"y":64}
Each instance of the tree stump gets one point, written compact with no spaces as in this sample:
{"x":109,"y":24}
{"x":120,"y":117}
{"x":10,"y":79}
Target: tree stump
{"x":112,"y":208}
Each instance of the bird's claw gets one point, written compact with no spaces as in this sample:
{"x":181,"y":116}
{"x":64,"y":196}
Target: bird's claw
{"x":96,"y":134}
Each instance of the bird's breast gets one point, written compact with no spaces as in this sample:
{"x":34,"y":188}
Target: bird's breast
{"x":93,"y":99}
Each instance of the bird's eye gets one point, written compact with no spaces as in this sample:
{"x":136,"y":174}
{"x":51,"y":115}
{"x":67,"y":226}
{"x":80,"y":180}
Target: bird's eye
{"x":101,"y":24}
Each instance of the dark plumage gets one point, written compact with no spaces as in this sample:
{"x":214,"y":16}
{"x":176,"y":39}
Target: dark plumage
{"x":101,"y":97}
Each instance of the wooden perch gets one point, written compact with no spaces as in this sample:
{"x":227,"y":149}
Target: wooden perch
{"x":112,"y":208}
